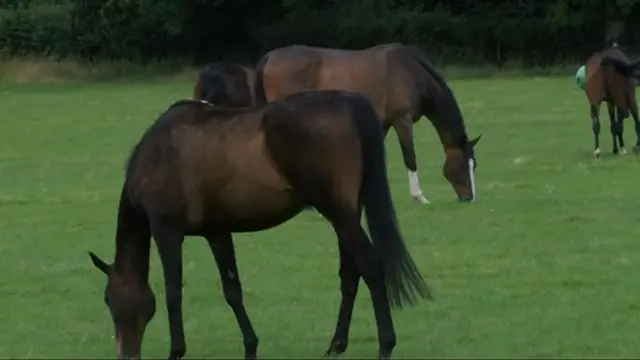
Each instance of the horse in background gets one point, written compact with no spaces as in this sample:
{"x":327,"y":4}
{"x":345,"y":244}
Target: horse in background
{"x":210,"y":171}
{"x":226,"y":84}
{"x":401,"y":83}
{"x":611,"y":77}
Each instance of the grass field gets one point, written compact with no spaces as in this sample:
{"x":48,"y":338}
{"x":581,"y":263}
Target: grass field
{"x":545,"y":264}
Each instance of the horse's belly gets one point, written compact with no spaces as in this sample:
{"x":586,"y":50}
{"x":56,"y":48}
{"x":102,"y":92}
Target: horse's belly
{"x":252,"y":206}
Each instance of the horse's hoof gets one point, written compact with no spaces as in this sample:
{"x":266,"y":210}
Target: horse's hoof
{"x":176,"y":354}
{"x":636,"y":149}
{"x":622,"y":152}
{"x":597,"y":153}
{"x":421,"y":199}
{"x":335,"y":349}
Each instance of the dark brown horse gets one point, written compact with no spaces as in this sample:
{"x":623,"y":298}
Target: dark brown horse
{"x":611,"y":77}
{"x":226,"y":84}
{"x":210,"y":171}
{"x":402,"y":85}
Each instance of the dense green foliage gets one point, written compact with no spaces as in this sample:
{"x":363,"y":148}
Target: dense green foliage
{"x":538,"y":33}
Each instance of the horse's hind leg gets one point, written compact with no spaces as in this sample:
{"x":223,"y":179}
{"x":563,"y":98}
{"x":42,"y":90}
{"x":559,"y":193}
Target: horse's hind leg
{"x":223,"y":251}
{"x":168,"y":240}
{"x":355,"y":243}
{"x":620,"y":113}
{"x":349,"y":278}
{"x":616,"y":128}
{"x":358,"y":258}
{"x":595,"y":120}
{"x":404,"y":128}
{"x":633,"y":109}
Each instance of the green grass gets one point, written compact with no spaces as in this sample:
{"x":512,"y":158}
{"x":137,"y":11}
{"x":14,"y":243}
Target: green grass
{"x":545,"y":264}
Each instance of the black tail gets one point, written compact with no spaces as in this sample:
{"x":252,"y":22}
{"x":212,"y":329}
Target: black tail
{"x":622,"y":67}
{"x":259,"y":87}
{"x":404,"y":282}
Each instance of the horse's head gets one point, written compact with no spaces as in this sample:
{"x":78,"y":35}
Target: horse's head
{"x":459,"y":168}
{"x":224,"y":84}
{"x":131,"y":304}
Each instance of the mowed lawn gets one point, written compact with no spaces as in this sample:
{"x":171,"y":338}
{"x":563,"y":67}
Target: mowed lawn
{"x":544,"y":264}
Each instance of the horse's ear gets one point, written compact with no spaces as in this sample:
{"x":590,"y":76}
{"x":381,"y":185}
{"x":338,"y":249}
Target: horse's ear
{"x":97,"y":262}
{"x":475,"y":141}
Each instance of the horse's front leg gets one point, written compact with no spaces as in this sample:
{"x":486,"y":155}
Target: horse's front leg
{"x":169,"y":242}
{"x":404,"y":129}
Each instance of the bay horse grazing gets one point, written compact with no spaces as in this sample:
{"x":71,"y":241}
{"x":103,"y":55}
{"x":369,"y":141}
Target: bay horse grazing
{"x":402,"y":85}
{"x":211,"y":171}
{"x":226,"y":84}
{"x":611,"y":77}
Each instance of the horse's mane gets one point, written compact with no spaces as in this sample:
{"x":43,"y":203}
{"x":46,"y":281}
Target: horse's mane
{"x":450,"y":99}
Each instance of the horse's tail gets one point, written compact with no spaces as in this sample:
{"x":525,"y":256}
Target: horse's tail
{"x":403,"y":279}
{"x":261,"y":97}
{"x":622,"y":67}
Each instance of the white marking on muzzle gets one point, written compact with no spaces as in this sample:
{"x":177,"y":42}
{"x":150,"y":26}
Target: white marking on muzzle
{"x":472,"y":179}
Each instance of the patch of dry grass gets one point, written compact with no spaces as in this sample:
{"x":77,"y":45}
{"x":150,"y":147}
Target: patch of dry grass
{"x":49,"y":70}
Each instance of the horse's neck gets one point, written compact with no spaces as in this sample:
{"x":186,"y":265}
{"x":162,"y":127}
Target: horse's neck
{"x":446,"y":118}
{"x":450,"y":138}
{"x":132,"y":257}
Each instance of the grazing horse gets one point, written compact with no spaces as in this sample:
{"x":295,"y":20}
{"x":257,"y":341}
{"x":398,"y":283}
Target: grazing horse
{"x":226,"y":84}
{"x":211,"y":171}
{"x":402,"y":85}
{"x":611,"y":77}
{"x":405,"y":87}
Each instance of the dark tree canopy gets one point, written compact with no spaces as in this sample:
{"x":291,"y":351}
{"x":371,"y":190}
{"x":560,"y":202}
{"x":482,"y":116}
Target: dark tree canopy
{"x":537,"y":33}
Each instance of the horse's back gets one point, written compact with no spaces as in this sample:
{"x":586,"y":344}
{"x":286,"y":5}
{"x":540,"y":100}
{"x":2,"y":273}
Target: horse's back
{"x":379,"y":72}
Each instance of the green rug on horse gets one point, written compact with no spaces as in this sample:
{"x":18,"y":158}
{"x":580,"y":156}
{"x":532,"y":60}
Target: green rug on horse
{"x":581,"y":77}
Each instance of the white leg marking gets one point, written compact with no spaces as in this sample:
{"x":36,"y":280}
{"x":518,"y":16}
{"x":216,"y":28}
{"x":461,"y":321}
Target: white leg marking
{"x":472,"y":179}
{"x":597,"y":152}
{"x":623,"y":151}
{"x":414,"y":188}
{"x":119,"y":346}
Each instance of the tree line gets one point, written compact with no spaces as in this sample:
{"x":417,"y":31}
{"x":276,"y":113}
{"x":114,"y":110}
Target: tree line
{"x":464,"y":32}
